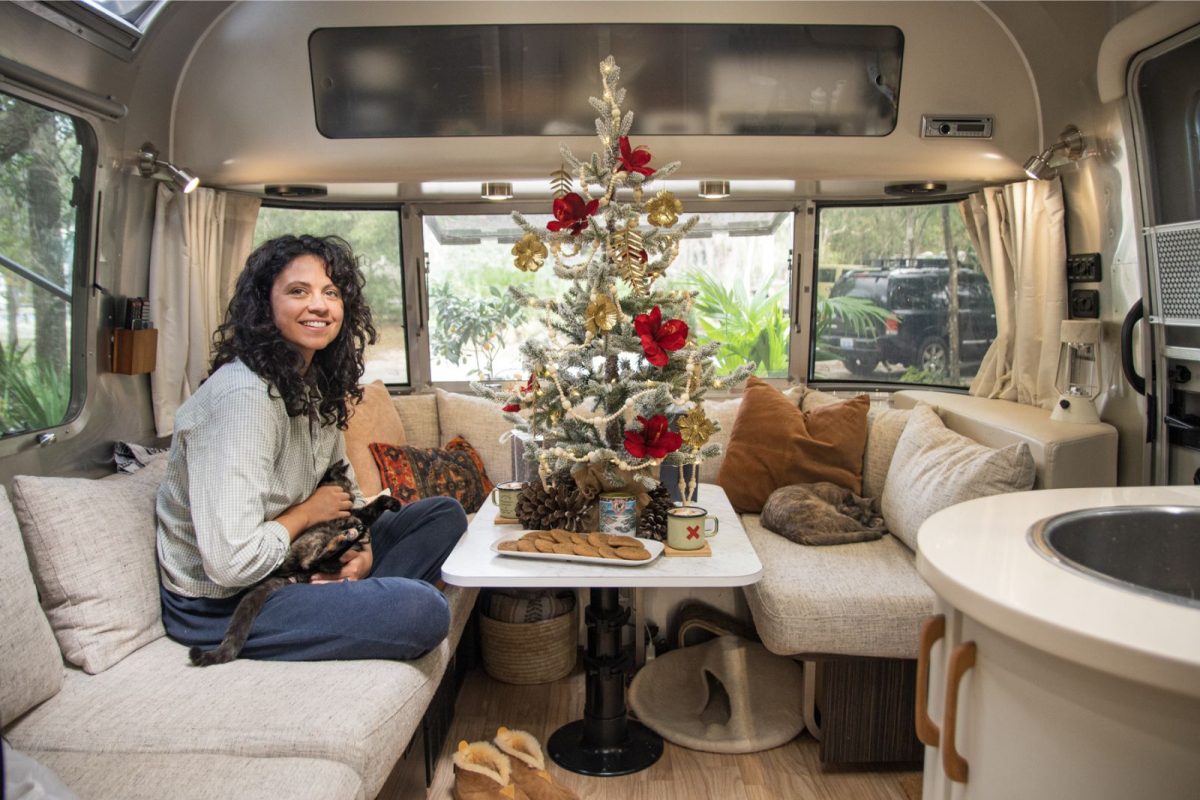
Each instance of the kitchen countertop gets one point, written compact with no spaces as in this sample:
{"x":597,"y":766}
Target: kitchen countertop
{"x":976,"y":556}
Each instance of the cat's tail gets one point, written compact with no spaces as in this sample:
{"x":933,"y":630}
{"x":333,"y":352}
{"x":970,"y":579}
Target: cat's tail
{"x":239,"y":625}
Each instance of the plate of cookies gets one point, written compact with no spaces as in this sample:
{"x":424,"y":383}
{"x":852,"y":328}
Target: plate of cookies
{"x":588,"y":548}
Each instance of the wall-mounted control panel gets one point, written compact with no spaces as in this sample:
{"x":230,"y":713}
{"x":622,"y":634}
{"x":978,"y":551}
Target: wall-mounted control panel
{"x":934,"y":126}
{"x":1083,"y":268}
{"x":1085,"y":304}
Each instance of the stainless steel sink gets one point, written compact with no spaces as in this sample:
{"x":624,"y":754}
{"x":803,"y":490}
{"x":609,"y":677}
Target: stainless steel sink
{"x":1153,"y":550}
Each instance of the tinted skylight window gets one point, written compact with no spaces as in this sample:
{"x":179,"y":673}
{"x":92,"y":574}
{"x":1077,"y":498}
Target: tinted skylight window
{"x":528,"y":80}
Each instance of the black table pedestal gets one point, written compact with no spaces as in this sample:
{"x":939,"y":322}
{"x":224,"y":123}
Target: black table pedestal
{"x":605,"y":742}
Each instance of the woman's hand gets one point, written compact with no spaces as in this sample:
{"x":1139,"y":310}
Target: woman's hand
{"x":356,"y":564}
{"x":328,"y":502}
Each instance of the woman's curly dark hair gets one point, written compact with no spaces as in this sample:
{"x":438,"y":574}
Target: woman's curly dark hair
{"x":249,"y":332}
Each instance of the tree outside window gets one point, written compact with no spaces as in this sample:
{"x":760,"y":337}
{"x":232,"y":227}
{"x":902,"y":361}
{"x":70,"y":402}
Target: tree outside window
{"x":41,"y":157}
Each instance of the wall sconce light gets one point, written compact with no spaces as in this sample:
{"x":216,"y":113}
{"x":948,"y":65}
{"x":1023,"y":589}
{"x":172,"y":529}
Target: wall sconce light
{"x":1078,"y":378}
{"x":1070,"y":141}
{"x":714,"y":190}
{"x":149,"y":163}
{"x":496,"y":190}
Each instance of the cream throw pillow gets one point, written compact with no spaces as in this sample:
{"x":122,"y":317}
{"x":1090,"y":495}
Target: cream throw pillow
{"x":934,"y":468}
{"x":374,"y":419}
{"x":91,"y":545}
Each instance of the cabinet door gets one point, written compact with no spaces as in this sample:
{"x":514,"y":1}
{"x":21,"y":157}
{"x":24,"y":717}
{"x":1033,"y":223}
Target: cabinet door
{"x":1031,"y":725}
{"x":934,"y":785}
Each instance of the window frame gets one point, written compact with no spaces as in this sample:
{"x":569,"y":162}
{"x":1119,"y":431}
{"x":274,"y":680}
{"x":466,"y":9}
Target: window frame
{"x":413,"y":239}
{"x":81,"y":282}
{"x":852,"y":383}
{"x":405,"y":277}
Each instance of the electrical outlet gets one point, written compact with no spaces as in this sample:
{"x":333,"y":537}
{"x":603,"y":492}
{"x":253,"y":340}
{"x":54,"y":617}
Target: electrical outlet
{"x":1085,"y":304}
{"x":1083,"y":268}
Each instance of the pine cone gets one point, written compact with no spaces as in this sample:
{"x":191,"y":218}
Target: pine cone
{"x":652,"y":523}
{"x":560,"y":506}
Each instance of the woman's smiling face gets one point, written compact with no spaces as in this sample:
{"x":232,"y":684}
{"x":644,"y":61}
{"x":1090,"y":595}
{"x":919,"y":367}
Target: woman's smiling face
{"x":306,"y":306}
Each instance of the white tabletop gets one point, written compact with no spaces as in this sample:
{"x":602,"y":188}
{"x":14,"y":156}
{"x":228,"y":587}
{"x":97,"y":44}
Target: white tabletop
{"x":976,"y":556}
{"x":733,"y":561}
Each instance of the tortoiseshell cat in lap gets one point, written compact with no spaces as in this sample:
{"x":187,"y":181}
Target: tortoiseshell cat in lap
{"x":318,"y":549}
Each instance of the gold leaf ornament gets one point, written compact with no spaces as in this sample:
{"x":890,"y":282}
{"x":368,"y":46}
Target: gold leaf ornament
{"x":530,"y":253}
{"x":696,"y":428}
{"x":629,"y":253}
{"x":663,"y":210}
{"x":602,"y":315}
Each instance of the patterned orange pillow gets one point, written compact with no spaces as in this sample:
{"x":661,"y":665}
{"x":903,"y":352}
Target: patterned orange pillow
{"x":413,"y":473}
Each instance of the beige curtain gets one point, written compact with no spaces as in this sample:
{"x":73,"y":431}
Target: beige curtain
{"x":1018,"y":232}
{"x":199,"y":244}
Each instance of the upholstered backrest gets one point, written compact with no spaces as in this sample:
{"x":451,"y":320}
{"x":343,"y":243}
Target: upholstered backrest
{"x":481,"y":422}
{"x":1065,"y":454}
{"x":419,"y":413}
{"x":30,"y":664}
{"x":91,"y":545}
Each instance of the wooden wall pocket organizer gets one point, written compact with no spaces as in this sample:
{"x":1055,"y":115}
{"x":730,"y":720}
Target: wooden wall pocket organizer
{"x":133,"y":351}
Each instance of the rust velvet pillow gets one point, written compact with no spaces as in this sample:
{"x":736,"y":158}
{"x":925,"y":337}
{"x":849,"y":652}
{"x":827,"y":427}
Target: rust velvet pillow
{"x":413,"y":473}
{"x":775,"y":444}
{"x":373,"y":419}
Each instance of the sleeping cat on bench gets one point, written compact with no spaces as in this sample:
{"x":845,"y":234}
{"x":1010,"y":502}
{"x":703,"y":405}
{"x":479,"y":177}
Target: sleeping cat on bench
{"x":318,"y":549}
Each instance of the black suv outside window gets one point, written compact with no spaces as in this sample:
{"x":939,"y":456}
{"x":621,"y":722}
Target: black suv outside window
{"x":888,"y":317}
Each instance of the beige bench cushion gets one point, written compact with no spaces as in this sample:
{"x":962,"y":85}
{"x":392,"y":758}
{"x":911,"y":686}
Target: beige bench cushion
{"x":419,"y":413}
{"x":91,"y":545}
{"x":481,"y":422}
{"x":201,"y":776}
{"x":862,"y":599}
{"x":30,"y":664}
{"x":358,"y":713}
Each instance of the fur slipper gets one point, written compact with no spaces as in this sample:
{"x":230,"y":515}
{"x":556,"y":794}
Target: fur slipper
{"x":529,"y":766}
{"x":481,"y":772}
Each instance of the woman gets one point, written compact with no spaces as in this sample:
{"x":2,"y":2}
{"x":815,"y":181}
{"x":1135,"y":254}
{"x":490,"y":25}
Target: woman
{"x":248,"y":451}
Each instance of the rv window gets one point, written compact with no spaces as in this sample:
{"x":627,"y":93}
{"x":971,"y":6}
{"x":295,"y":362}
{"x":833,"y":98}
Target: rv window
{"x":737,"y":261}
{"x":887,"y":318}
{"x":44,"y":194}
{"x":375,"y":237}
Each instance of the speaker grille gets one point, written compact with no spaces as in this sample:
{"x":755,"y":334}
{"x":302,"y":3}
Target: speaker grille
{"x":1175,"y":273}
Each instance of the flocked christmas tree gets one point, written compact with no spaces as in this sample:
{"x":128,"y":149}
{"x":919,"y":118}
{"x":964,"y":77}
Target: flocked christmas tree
{"x":616,"y":386}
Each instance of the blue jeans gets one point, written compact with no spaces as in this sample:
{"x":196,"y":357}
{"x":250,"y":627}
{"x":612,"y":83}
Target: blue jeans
{"x":394,"y":613}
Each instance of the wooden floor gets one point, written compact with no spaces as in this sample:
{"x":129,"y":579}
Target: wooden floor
{"x":792,"y":771}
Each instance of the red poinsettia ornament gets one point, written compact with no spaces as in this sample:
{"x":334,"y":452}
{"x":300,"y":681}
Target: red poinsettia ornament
{"x":633,"y":159}
{"x":653,"y":440}
{"x":658,"y":337}
{"x":526,"y":389}
{"x":570,"y":211}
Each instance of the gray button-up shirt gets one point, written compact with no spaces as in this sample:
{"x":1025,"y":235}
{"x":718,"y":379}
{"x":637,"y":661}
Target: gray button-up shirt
{"x":237,"y":461}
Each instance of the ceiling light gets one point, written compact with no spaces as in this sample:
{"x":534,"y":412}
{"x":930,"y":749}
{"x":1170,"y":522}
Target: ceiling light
{"x":293,"y":191}
{"x":149,"y":164}
{"x":496,"y":190}
{"x":916,"y":189}
{"x":714,"y":190}
{"x":1070,"y":141}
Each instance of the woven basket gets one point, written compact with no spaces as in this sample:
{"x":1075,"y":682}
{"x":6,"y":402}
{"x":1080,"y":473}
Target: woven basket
{"x":529,"y":652}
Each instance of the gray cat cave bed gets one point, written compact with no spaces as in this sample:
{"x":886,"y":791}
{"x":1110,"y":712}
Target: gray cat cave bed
{"x":728,"y":695}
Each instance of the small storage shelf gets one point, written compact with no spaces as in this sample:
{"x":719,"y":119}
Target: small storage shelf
{"x":133,"y":351}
